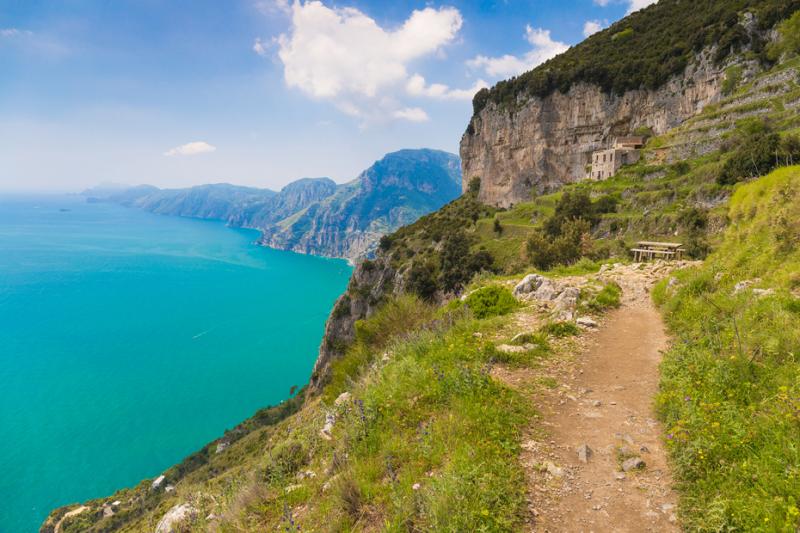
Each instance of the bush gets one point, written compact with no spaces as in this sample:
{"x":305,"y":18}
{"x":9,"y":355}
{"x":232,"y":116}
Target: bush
{"x":757,"y":151}
{"x":458,"y":265}
{"x":498,"y":227}
{"x":560,"y":329}
{"x":573,"y":243}
{"x":733,"y":75}
{"x":285,"y":460}
{"x":422,"y":280}
{"x":491,"y":301}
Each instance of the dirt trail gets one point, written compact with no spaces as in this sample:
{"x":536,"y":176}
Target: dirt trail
{"x":605,"y":401}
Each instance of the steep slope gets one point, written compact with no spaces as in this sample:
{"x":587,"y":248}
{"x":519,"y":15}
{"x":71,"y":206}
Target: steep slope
{"x":393,"y":192}
{"x":646,"y":73}
{"x":729,"y":393}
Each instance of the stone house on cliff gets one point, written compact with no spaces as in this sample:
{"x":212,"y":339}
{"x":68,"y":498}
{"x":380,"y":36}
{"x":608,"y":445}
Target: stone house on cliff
{"x":606,"y":163}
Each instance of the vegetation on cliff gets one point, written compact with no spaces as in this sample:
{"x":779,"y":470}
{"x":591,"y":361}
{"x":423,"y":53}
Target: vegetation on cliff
{"x":645,"y":49}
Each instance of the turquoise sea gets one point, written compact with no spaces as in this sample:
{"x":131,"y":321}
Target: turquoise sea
{"x":129,"y":340}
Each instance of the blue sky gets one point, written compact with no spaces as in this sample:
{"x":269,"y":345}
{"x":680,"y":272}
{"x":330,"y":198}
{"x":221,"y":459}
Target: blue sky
{"x":254,"y":92}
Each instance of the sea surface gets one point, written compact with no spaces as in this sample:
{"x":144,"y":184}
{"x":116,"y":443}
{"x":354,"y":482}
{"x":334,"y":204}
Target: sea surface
{"x":129,"y":340}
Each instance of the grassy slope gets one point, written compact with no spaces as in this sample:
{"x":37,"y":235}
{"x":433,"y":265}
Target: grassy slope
{"x":731,"y":383}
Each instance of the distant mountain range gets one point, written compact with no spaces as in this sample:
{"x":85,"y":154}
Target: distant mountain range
{"x":315,"y":215}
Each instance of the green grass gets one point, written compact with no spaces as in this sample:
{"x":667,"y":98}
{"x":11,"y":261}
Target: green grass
{"x":730,"y":391}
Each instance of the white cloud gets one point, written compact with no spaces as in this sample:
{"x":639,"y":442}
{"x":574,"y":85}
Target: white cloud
{"x":590,"y":27}
{"x":412,"y":114}
{"x":343,"y":55}
{"x":9,"y":33}
{"x":259,"y":47}
{"x":544,"y":48}
{"x":636,"y":5}
{"x":416,"y":86}
{"x":192,"y":148}
{"x":633,"y":5}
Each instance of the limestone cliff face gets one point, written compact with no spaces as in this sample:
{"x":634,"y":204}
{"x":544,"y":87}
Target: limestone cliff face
{"x":546,"y":142}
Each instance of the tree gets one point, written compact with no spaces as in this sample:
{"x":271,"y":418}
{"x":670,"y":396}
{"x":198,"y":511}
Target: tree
{"x":498,"y":227}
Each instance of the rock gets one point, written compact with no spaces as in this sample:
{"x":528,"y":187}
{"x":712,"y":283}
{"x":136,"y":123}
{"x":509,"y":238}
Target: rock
{"x":667,"y":507}
{"x":416,"y":486}
{"x":510,"y":348}
{"x":597,"y":403}
{"x":584,"y":453}
{"x":308,"y":474}
{"x":760,"y":293}
{"x":634,"y":463}
{"x":210,"y":517}
{"x":169,"y":488}
{"x":554,"y":470}
{"x":672,"y":283}
{"x":327,"y":428}
{"x":175,"y":517}
{"x":567,"y":300}
{"x":107,"y":511}
{"x":292,"y":488}
{"x":529,"y":283}
{"x":586,"y":322}
{"x":158,"y":482}
{"x":342,"y":399}
{"x":547,"y":291}
{"x":116,"y":503}
{"x":222,"y":446}
{"x":619,"y":476}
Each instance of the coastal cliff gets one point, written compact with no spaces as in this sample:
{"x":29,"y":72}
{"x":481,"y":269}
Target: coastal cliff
{"x":547,"y":142}
{"x":645,"y":74}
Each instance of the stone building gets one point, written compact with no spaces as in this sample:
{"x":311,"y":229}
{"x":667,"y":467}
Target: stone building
{"x":606,"y":163}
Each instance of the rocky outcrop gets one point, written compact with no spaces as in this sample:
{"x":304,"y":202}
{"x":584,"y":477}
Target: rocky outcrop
{"x":370,"y":283}
{"x":176,"y":518}
{"x":543,"y":143}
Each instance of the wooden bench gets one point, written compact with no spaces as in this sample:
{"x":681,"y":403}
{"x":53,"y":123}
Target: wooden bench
{"x":647,"y":250}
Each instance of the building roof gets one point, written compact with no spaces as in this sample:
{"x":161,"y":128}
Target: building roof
{"x":629,"y":140}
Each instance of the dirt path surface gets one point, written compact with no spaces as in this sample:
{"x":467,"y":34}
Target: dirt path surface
{"x":604,"y":402}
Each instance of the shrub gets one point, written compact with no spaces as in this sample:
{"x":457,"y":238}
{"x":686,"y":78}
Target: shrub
{"x":474,"y":186}
{"x":491,"y":301}
{"x":560,"y":329}
{"x":757,"y":151}
{"x":422,"y":280}
{"x":285,"y":460}
{"x":573,"y":243}
{"x":789,"y":31}
{"x":458,"y":265}
{"x":498,"y":227}
{"x":733,"y":75}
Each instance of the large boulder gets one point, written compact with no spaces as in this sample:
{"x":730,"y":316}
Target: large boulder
{"x":529,"y":283}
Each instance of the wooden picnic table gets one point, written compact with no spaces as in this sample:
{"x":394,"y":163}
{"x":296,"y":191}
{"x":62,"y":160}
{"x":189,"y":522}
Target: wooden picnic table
{"x":646,"y":250}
